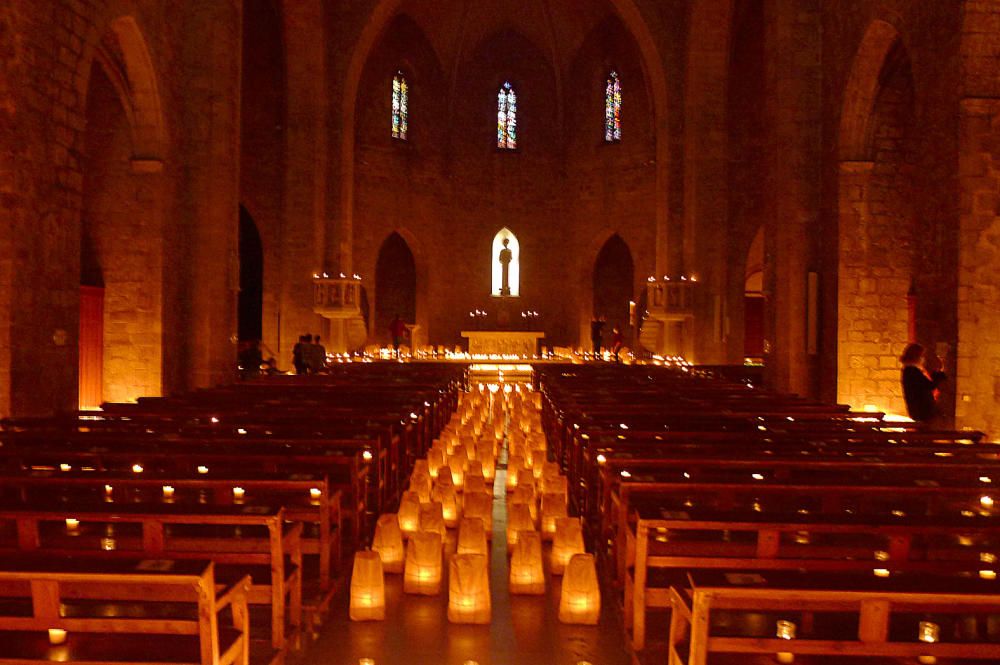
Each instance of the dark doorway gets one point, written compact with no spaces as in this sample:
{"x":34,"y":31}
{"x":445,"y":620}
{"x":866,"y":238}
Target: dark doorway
{"x":395,"y":285}
{"x":613,"y":277}
{"x":251,"y":300}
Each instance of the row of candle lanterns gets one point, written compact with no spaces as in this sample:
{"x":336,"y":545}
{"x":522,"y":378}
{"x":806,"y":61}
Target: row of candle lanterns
{"x":451,"y":488}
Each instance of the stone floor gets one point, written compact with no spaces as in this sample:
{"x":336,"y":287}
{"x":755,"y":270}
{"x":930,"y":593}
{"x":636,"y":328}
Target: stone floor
{"x":525,"y":629}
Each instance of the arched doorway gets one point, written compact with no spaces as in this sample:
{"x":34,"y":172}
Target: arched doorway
{"x":395,"y":285}
{"x":122,"y":226}
{"x":91,"y":379}
{"x":251,"y":299}
{"x":614,"y":275}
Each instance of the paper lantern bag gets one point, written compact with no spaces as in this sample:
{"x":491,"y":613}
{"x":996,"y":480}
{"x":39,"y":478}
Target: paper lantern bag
{"x":580,"y":599}
{"x":432,"y":518}
{"x":527,"y":575}
{"x":367,"y":588}
{"x":479,"y":504}
{"x":567,"y":541}
{"x":472,"y":537}
{"x":388,"y":543}
{"x":518,"y":519}
{"x":409,"y":513}
{"x":422,"y":573}
{"x":553,"y":507}
{"x":469,"y":589}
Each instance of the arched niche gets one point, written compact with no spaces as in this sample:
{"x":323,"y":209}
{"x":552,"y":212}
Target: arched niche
{"x":613,"y":280}
{"x":395,"y":285}
{"x":514,"y":267}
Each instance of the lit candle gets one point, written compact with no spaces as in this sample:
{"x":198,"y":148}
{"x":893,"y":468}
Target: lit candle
{"x":315,"y":493}
{"x":928,"y":632}
{"x":239,"y":493}
{"x":881,"y":572}
{"x":366,"y":661}
{"x":203,"y":469}
{"x":136,"y":468}
{"x":72,"y":524}
{"x":168,"y":492}
{"x":986,"y":501}
{"x":785,"y":631}
{"x":57,"y":636}
{"x":65,"y":467}
{"x":367,"y":456}
{"x":988,"y":574}
{"x":108,"y":544}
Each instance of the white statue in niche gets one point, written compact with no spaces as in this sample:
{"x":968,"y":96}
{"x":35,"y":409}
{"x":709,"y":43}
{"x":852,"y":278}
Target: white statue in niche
{"x":506,"y":265}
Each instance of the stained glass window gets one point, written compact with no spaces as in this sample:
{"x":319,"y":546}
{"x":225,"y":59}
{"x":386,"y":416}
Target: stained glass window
{"x":507,"y":117}
{"x":613,"y":108}
{"x":400,"y":106}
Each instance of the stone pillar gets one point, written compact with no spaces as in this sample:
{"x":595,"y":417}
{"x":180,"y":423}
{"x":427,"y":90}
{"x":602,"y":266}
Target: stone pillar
{"x":303,"y":234}
{"x":212,"y":122}
{"x":706,"y":202}
{"x":793,"y":113}
{"x":978,"y":371}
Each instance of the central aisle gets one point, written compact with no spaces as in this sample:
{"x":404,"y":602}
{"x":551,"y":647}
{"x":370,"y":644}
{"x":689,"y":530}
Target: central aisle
{"x":524,"y":630}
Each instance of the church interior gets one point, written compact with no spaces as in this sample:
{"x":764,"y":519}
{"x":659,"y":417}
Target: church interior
{"x":488,"y":332}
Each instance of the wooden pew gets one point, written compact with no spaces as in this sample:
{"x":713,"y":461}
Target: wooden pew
{"x":307,"y":498}
{"x":876,"y":604}
{"x":272,"y":557}
{"x":81,"y":596}
{"x":665,"y":547}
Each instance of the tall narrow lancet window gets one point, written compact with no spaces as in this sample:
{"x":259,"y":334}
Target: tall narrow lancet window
{"x":507,"y":117}
{"x":400,"y":106}
{"x":613,"y":108}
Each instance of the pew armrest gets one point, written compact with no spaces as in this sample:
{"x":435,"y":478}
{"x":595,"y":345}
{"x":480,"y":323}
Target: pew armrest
{"x":235,"y":594}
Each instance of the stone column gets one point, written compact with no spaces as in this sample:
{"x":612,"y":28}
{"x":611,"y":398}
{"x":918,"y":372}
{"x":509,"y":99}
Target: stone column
{"x":303,"y":231}
{"x":212,"y":122}
{"x":978,"y":372}
{"x":793,"y":113}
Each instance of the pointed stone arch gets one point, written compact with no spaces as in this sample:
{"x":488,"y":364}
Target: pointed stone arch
{"x":395,"y":284}
{"x":613,"y":282}
{"x":123,"y":53}
{"x":861,"y":91}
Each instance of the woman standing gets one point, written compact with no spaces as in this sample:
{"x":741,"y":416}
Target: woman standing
{"x":920,"y":384}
